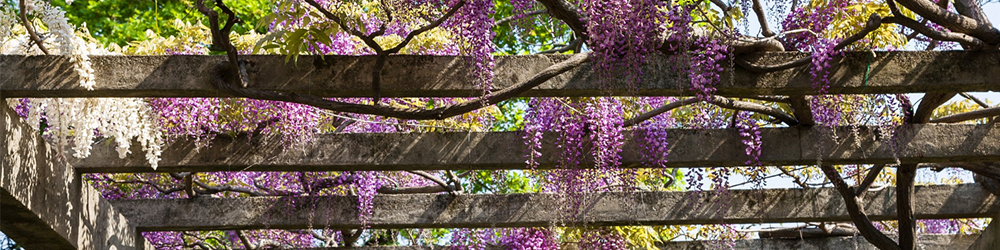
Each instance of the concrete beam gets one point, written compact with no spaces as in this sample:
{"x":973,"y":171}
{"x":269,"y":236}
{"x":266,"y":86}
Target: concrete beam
{"x":989,"y":238}
{"x":536,"y":210}
{"x":441,"y":76}
{"x":44,"y":204}
{"x":506,"y":150}
{"x":926,"y":242}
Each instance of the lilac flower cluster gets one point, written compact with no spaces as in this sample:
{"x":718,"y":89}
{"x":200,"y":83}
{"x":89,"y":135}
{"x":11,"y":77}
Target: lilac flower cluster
{"x":654,"y":140}
{"x":705,"y":69}
{"x":473,"y":24}
{"x":622,"y":33}
{"x":750,"y":132}
{"x":528,"y":239}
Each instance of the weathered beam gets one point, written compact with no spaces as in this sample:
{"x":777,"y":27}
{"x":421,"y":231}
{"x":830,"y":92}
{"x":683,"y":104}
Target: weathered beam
{"x":931,"y":143}
{"x":44,"y":202}
{"x":446,"y":76}
{"x":989,"y":238}
{"x":926,"y":242}
{"x":537,"y":210}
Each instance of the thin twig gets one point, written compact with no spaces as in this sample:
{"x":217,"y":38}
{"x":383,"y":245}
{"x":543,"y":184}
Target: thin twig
{"x":974,"y":99}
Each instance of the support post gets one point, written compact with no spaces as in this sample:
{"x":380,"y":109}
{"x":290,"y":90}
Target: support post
{"x":45,"y":202}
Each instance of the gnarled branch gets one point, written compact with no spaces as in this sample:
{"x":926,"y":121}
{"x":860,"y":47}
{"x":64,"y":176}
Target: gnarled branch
{"x":857,"y":212}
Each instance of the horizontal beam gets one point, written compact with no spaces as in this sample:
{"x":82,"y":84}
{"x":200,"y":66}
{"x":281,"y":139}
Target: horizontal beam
{"x":931,"y":143}
{"x":447,"y":76}
{"x":926,"y":242}
{"x":539,"y":210}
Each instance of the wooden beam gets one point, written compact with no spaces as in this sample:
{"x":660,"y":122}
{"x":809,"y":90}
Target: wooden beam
{"x":537,"y":210}
{"x":923,"y":143}
{"x":446,"y":76}
{"x":44,"y":202}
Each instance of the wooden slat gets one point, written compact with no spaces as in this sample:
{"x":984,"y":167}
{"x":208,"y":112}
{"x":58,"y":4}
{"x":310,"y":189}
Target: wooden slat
{"x":540,"y":210}
{"x":507,"y":150}
{"x":445,"y":76}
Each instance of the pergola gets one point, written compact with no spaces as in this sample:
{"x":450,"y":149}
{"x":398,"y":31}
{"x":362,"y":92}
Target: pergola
{"x":46,"y":205}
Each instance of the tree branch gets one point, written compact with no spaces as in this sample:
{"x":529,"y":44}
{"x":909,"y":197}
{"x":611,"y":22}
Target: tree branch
{"x":953,"y":21}
{"x":221,"y":82}
{"x":415,"y":190}
{"x":435,"y":179}
{"x":31,"y":30}
{"x":569,"y":14}
{"x":718,"y":101}
{"x":869,"y":179}
{"x":927,"y":105}
{"x":758,"y":9}
{"x":960,"y":38}
{"x":652,"y":113}
{"x":857,"y":212}
{"x":753,"y":107}
{"x":971,"y":115}
{"x":874,"y":21}
{"x":974,"y":99}
{"x":905,"y":176}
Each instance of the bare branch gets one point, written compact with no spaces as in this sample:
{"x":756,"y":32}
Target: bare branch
{"x":435,"y":179}
{"x":905,"y":176}
{"x":869,"y":179}
{"x":722,"y":5}
{"x":953,"y":21}
{"x":224,"y":72}
{"x":652,"y":113}
{"x":974,"y":99}
{"x":31,"y":29}
{"x":415,"y":190}
{"x":425,"y":28}
{"x":749,"y":106}
{"x":963,"y":39}
{"x":758,"y":9}
{"x":718,"y":101}
{"x":569,"y":14}
{"x":209,"y":189}
{"x":795,"y":178}
{"x":874,"y":21}
{"x":971,"y":115}
{"x":927,"y":105}
{"x":857,"y":212}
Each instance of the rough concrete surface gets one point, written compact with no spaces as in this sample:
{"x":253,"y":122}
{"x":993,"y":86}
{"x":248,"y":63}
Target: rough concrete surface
{"x":931,"y":143}
{"x":535,"y":210}
{"x":44,"y":204}
{"x":439,"y":76}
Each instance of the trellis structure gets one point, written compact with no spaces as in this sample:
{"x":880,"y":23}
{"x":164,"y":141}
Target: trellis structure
{"x":46,"y":205}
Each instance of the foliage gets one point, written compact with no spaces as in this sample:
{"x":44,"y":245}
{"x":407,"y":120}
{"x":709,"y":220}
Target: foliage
{"x":111,"y":23}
